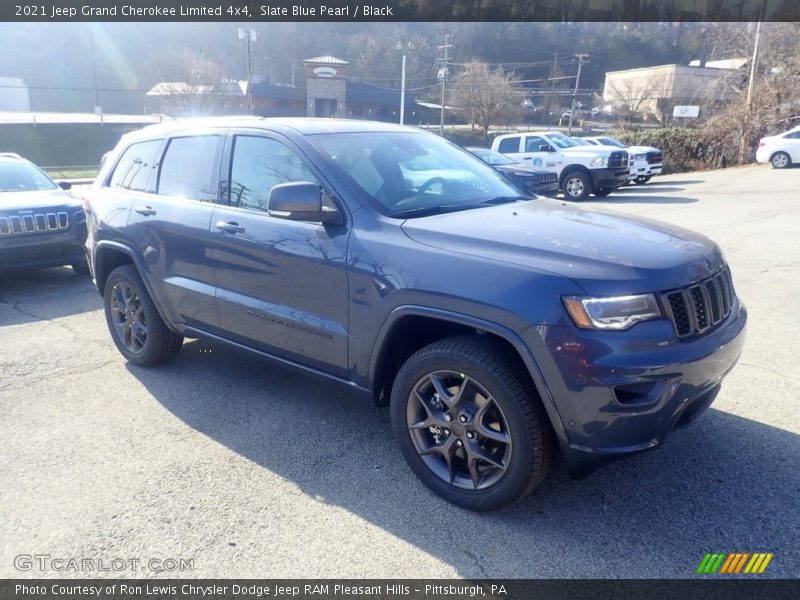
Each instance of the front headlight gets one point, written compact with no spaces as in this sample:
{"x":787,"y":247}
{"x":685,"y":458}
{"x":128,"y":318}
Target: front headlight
{"x":640,"y":156}
{"x":600,"y":161}
{"x":617,"y":313}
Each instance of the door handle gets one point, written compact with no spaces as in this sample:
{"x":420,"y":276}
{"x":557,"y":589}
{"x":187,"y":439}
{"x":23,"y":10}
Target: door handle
{"x":230,"y":226}
{"x":147,"y":211}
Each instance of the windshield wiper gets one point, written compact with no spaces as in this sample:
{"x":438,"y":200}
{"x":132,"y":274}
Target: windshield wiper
{"x":503,"y":200}
{"x":425,"y":211}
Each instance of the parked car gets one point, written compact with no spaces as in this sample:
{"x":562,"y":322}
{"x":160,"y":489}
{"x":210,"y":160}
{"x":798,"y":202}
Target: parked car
{"x":499,"y":328}
{"x":645,"y":161}
{"x":529,"y":179}
{"x":781,"y":150}
{"x":41,"y":225}
{"x":582,"y":169}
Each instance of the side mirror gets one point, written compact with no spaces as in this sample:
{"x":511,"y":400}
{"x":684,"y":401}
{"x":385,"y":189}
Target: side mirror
{"x":65,"y":185}
{"x":301,"y":201}
{"x":546,"y":148}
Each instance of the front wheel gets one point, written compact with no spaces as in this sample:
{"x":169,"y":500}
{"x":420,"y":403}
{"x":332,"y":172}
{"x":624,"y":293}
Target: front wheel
{"x":469,"y":425}
{"x":576,"y":185}
{"x":137,"y":329}
{"x":780,"y":160}
{"x":604,"y":191}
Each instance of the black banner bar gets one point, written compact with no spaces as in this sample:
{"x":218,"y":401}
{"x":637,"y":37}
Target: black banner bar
{"x":399,"y":10}
{"x":717,"y":588}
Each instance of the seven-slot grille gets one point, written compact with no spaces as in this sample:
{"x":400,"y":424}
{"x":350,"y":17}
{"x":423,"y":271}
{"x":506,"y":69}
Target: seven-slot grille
{"x":700,"y":306}
{"x":654,"y":158}
{"x":618,"y":160}
{"x":34,"y":223}
{"x":547,"y":177}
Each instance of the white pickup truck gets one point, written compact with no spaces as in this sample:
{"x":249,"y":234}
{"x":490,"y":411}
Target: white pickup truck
{"x":582,"y":169}
{"x":645,"y":161}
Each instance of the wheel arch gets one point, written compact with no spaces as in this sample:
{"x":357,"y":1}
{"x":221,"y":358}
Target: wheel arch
{"x":409,"y":328}
{"x":108,"y":256}
{"x":571,"y":168}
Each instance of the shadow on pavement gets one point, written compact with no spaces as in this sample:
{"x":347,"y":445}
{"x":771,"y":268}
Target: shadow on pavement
{"x":725,"y":484}
{"x":46,"y":294}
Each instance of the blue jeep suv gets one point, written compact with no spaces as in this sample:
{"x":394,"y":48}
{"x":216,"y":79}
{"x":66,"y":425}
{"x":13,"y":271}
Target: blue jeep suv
{"x":499,"y":328}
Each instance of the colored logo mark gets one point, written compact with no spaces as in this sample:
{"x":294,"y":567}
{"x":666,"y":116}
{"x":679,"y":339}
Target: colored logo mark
{"x":734,"y":563}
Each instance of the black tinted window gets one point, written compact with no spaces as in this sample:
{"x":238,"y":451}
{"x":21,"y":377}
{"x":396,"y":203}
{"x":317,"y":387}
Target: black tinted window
{"x":258,"y":165}
{"x":187,"y":168}
{"x":508,"y":145}
{"x":135,"y":165}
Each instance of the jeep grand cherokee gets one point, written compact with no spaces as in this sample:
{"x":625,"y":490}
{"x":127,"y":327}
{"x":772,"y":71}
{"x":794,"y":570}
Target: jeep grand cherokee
{"x":499,"y":328}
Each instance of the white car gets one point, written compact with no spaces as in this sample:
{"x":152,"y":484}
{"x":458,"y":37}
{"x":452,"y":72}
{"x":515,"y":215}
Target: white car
{"x":781,"y":150}
{"x":645,"y":161}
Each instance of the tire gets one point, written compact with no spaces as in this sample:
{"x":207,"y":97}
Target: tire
{"x":576,"y":185}
{"x":602,"y":192}
{"x":137,"y":329}
{"x":642,"y":179}
{"x":498,"y":403}
{"x":780,"y":160}
{"x":81,"y":268}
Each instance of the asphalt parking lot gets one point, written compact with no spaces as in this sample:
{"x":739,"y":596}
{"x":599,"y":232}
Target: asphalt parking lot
{"x":254,"y":471}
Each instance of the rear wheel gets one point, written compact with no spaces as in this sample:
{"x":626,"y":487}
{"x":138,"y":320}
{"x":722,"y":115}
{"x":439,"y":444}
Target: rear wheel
{"x":780,"y":160}
{"x":576,"y":185}
{"x":604,"y":191}
{"x":137,"y":329}
{"x":642,"y":179}
{"x":469,"y":425}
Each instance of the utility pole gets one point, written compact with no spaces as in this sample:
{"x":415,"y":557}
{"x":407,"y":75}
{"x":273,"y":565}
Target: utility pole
{"x":249,"y":35}
{"x":580,"y":58}
{"x":403,"y":92}
{"x":443,"y":76}
{"x":748,"y":107}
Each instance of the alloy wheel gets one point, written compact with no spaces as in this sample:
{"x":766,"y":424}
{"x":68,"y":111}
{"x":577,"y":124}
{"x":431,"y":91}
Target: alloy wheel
{"x":128,"y":317}
{"x":459,"y":430}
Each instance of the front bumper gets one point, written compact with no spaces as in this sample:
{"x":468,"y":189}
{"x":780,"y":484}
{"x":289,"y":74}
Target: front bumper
{"x":645,"y":169}
{"x":619,"y":393}
{"x":41,"y":251}
{"x":609,"y":178}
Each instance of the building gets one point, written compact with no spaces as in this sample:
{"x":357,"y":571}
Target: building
{"x":326,"y":91}
{"x":656,"y":90}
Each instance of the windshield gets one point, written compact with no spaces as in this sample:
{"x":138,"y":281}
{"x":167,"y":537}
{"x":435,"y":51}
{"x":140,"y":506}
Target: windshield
{"x":563,"y":141}
{"x":20,"y":176}
{"x":410,"y":174}
{"x":611,"y":142}
{"x":490,"y":157}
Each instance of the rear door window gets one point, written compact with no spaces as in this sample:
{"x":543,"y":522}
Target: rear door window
{"x":189,"y":168}
{"x":508,"y":145}
{"x":135,"y":166}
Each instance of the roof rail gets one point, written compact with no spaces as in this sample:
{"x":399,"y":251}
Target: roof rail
{"x":10,"y":155}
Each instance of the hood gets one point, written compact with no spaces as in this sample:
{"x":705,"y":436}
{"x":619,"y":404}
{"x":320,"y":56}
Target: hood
{"x":591,"y":150}
{"x":43,"y":200}
{"x":603,"y":252}
{"x":519,"y":168}
{"x":641,"y":149}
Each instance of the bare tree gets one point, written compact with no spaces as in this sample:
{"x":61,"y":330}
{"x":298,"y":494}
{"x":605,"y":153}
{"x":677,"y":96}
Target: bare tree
{"x":635,"y":96}
{"x":186,"y":83}
{"x":489,"y":96}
